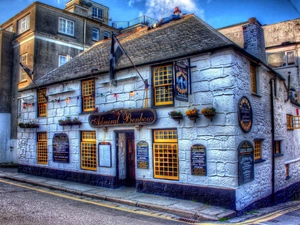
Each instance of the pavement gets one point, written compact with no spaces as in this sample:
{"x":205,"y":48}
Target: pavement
{"x":184,"y":210}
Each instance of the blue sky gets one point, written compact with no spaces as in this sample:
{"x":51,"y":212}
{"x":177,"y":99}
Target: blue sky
{"x":217,"y":13}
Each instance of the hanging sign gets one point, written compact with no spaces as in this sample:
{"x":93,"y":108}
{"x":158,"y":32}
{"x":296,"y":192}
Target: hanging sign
{"x":61,"y":150}
{"x":142,"y":156}
{"x":198,"y":160}
{"x":245,"y":114}
{"x":123,"y":117}
{"x":104,"y":152}
{"x":246,"y":162}
{"x":181,"y":81}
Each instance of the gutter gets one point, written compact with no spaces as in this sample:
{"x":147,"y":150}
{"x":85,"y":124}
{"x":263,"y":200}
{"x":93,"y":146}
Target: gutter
{"x":273,"y":139}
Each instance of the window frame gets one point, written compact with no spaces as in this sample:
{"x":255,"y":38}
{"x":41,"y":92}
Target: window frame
{"x":24,"y":60}
{"x":88,"y":146}
{"x":168,"y":94}
{"x":258,"y":150}
{"x":97,"y":13}
{"x":63,"y":28}
{"x":60,"y":60}
{"x":277,"y":148}
{"x":166,"y":161}
{"x":88,"y":95}
{"x":42,"y":148}
{"x":42,"y":102}
{"x":106,"y":35}
{"x":285,"y":62}
{"x":98,"y":34}
{"x":253,"y":78}
{"x":23,"y":24}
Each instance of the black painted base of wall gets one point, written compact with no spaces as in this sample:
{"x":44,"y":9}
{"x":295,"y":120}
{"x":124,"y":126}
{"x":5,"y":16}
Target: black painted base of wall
{"x":79,"y":177}
{"x":211,"y":196}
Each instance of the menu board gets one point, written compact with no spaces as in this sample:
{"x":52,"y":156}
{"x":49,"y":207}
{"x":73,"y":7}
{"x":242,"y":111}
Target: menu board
{"x":246,"y":162}
{"x":104,"y":150}
{"x":61,"y":150}
{"x":142,"y":155}
{"x":198,"y":160}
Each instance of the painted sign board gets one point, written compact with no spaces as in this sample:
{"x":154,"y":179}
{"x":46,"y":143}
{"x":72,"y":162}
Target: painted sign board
{"x":61,"y":149}
{"x":198,"y":160}
{"x":104,"y":152}
{"x":123,"y":117}
{"x":142,"y":155}
{"x":245,"y":114}
{"x":246,"y":162}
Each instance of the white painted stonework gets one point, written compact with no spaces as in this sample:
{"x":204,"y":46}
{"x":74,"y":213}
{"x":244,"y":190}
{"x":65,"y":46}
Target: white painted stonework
{"x":218,"y":79}
{"x":7,"y":151}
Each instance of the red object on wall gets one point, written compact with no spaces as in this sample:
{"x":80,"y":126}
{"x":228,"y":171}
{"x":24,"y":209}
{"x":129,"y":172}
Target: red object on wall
{"x":297,"y":112}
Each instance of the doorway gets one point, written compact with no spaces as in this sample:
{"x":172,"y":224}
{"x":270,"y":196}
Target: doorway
{"x":125,"y":158}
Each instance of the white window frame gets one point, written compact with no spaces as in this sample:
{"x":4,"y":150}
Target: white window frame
{"x":66,"y":26}
{"x":97,"y":13}
{"x":23,"y":74}
{"x":66,"y":58}
{"x":24,"y":24}
{"x":286,"y":58}
{"x":96,"y":31}
{"x":106,"y":35}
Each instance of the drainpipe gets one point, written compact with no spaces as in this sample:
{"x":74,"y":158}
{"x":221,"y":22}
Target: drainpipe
{"x":273,"y":138}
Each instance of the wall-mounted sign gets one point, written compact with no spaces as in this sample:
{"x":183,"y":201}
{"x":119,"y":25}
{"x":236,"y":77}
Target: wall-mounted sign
{"x":198,"y":160}
{"x":123,"y":117}
{"x":142,"y":156}
{"x":61,"y":151}
{"x":245,"y":114}
{"x":181,"y":81}
{"x":104,"y":153}
{"x":246,"y":162}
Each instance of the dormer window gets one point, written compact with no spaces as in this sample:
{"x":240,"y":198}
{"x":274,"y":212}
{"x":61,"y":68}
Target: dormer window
{"x":97,"y":13}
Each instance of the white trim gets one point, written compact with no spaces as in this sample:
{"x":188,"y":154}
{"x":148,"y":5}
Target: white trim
{"x":51,"y":41}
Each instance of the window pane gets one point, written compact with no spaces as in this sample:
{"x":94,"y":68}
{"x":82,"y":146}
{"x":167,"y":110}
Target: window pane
{"x":42,"y":149}
{"x":62,"y":60}
{"x":42,"y":102}
{"x":290,"y":58}
{"x":88,"y":95}
{"x":163,"y":85}
{"x":88,"y":159}
{"x":95,"y":34}
{"x":66,"y":26}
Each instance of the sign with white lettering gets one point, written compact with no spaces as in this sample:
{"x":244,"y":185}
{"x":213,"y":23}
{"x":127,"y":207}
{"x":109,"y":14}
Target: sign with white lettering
{"x":198,"y":160}
{"x":142,"y":156}
{"x":61,"y":151}
{"x":123,"y":117}
{"x":246,"y":162}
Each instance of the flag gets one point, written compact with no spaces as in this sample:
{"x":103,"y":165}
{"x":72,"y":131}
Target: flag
{"x":27,"y":70}
{"x":116,"y":52}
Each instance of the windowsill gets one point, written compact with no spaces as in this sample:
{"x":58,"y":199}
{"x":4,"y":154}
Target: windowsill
{"x":259,"y":160}
{"x":67,"y":35}
{"x":255,"y":94}
{"x":22,"y":81}
{"x":287,"y":178}
{"x":278,"y":155}
{"x":61,"y":92}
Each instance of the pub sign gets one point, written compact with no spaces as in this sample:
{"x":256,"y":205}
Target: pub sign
{"x":245,"y":114}
{"x":181,"y":81}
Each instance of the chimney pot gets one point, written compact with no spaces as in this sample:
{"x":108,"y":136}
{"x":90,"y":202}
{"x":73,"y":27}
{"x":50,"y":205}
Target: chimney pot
{"x":252,"y":20}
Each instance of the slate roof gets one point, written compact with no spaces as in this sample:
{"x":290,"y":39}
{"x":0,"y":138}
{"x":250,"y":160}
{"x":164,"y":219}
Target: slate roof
{"x":183,"y":37}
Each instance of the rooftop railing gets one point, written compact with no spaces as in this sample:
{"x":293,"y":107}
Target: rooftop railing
{"x":145,"y":20}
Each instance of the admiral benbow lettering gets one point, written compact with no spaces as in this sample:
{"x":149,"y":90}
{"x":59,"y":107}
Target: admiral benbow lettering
{"x":123,"y":117}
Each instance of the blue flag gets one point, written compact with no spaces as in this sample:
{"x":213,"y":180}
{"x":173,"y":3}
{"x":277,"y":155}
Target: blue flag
{"x":116,"y":52}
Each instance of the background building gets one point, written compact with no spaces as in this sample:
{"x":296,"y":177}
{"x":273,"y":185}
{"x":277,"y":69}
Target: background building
{"x":42,"y":38}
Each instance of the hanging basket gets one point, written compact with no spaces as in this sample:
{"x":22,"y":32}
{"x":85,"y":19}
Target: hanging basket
{"x":193,"y":117}
{"x":209,"y":115}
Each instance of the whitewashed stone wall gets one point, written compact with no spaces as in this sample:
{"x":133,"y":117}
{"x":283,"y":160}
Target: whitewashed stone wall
{"x":218,"y":79}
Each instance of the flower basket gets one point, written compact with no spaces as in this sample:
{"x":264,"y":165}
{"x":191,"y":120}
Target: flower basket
{"x":69,"y":122}
{"x":209,"y":112}
{"x":28,"y":125}
{"x":176,"y":115}
{"x":192,"y":114}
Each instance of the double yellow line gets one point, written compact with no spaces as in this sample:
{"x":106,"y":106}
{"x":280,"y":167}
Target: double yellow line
{"x":89,"y":202}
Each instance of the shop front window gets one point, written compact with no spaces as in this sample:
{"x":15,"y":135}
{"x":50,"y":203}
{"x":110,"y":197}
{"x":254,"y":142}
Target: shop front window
{"x":42,"y":148}
{"x":88,"y":159}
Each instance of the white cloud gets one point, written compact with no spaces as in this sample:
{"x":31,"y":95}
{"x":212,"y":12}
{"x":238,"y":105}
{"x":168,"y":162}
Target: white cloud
{"x":157,"y":9}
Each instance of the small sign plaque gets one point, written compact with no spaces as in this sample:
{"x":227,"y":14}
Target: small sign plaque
{"x":142,"y":155}
{"x":61,"y":151}
{"x":245,"y":114}
{"x":246,"y":162}
{"x":198,"y":160}
{"x":104,"y":152}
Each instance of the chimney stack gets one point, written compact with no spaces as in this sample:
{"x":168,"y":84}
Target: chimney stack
{"x":254,"y":41}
